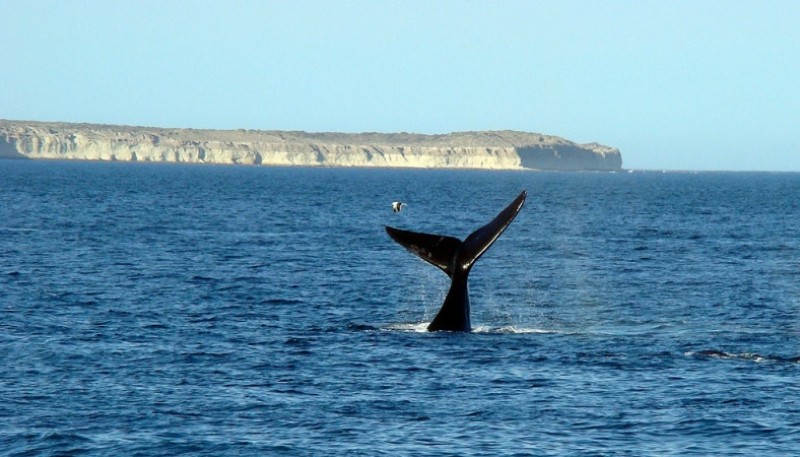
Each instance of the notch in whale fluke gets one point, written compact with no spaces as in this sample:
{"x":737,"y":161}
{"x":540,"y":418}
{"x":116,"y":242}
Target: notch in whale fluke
{"x":456,"y":258}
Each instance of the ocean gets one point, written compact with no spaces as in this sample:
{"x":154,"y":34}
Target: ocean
{"x":157,"y":309}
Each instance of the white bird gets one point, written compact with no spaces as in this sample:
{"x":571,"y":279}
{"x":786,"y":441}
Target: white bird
{"x":397,"y":206}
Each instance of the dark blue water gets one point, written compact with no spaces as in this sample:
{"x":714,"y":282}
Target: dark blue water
{"x":201,"y":310}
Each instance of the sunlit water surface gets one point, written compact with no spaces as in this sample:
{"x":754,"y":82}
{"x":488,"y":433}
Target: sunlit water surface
{"x":203,"y":310}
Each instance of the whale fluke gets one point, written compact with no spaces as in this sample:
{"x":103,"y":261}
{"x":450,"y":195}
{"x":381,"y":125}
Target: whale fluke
{"x":397,"y":206}
{"x":456,"y":258}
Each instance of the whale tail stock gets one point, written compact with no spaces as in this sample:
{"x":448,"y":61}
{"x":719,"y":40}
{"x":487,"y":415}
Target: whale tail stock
{"x":456,"y":258}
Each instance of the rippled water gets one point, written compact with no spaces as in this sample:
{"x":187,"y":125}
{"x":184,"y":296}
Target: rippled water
{"x":202,"y":310}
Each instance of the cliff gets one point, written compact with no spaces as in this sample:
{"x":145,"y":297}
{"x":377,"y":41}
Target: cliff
{"x":483,"y":150}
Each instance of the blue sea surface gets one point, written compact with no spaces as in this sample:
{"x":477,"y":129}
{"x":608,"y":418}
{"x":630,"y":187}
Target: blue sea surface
{"x":154,"y":309}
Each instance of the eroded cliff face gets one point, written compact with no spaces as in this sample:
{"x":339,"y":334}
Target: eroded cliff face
{"x":482,"y":150}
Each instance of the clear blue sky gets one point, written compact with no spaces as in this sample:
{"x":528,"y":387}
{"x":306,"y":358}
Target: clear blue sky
{"x":688,"y":85}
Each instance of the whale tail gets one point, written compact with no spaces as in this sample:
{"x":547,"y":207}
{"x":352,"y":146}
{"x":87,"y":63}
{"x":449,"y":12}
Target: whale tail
{"x":456,"y":258}
{"x":441,"y":250}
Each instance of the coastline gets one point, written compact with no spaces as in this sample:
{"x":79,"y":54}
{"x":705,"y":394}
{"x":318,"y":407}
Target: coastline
{"x":488,"y":150}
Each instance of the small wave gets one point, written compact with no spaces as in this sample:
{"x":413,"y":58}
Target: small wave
{"x":65,"y":436}
{"x":176,"y":413}
{"x":201,"y":279}
{"x":360,"y":327}
{"x":513,"y":329}
{"x":744,"y":356}
{"x":281,"y":301}
{"x":3,"y":230}
{"x":422,"y":327}
{"x":409,"y":327}
{"x":154,"y":326}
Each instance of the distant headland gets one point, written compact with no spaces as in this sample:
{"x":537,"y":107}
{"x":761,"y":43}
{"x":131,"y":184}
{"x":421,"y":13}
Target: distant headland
{"x":496,"y":150}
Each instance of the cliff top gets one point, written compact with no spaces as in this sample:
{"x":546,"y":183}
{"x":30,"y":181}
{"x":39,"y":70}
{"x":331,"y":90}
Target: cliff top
{"x":490,"y":138}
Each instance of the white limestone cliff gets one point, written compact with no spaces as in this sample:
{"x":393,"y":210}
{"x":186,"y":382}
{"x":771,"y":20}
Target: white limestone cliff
{"x":479,"y":150}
